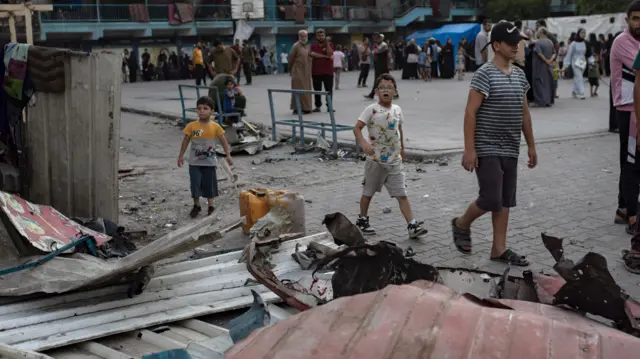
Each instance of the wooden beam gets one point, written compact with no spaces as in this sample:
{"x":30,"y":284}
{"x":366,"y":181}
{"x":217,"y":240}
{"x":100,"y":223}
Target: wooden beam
{"x":12,"y":28}
{"x":28,"y":25}
{"x":21,"y":7}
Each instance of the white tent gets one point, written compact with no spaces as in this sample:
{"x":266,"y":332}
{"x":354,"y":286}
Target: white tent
{"x":596,"y":24}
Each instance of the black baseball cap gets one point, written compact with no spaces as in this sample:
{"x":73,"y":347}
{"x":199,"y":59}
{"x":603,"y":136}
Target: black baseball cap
{"x":507,"y":32}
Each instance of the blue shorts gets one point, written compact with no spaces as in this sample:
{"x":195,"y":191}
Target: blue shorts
{"x":204,"y":182}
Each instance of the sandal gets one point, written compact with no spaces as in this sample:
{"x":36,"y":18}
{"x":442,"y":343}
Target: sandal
{"x":511,"y":257}
{"x":621,"y":217}
{"x":630,"y":228}
{"x":631,"y":261}
{"x":461,"y":237}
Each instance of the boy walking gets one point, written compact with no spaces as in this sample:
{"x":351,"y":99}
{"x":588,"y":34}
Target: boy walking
{"x":497,"y":113}
{"x":202,"y":158}
{"x":385,"y":153}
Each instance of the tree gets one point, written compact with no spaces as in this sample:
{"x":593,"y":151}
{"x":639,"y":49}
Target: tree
{"x":592,"y":7}
{"x":518,"y":9}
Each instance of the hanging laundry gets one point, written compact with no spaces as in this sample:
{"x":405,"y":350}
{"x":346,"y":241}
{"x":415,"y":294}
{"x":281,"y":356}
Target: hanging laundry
{"x":15,"y":64}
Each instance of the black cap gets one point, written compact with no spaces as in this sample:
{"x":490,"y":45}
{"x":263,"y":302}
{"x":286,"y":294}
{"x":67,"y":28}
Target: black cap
{"x":506,"y":32}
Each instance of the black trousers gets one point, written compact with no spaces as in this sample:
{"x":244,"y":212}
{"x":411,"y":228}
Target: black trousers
{"x":246,"y":67}
{"x":613,"y":121}
{"x":318,"y":82}
{"x":198,"y":72}
{"x":624,"y":117}
{"x":364,"y":73}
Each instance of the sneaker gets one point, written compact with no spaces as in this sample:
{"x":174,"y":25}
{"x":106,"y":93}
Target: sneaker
{"x":210,"y":210}
{"x":195,"y":211}
{"x":368,"y":97}
{"x":317,"y":109}
{"x":416,"y":230}
{"x":363,"y":224}
{"x":396,"y":97}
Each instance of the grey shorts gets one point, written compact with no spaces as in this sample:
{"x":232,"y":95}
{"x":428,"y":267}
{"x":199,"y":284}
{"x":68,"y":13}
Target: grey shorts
{"x":204,"y":182}
{"x":497,"y":179}
{"x":378,"y":175}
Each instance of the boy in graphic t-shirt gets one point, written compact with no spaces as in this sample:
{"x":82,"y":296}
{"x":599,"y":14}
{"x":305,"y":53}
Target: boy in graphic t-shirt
{"x":203,"y":135}
{"x":497,"y":114}
{"x":384,"y":147}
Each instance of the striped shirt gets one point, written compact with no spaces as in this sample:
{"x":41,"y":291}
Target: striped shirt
{"x":499,"y":118}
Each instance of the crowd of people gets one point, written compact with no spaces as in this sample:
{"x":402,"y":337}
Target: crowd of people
{"x":171,"y":66}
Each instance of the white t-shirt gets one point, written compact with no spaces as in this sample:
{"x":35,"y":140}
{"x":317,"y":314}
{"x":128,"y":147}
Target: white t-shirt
{"x":283,"y":58}
{"x":338,"y":57}
{"x":383,"y":127}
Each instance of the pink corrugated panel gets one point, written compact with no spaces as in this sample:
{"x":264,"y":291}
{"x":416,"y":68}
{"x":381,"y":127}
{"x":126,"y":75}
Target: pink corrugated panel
{"x":426,"y":320}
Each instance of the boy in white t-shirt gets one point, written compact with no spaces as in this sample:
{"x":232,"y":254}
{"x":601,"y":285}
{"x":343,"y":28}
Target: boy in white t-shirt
{"x":384,"y":147}
{"x":338,"y":59}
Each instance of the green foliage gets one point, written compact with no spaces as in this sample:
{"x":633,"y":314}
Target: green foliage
{"x":593,"y":7}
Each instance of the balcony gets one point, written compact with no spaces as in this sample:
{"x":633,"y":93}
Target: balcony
{"x":563,"y":6}
{"x":109,"y":13}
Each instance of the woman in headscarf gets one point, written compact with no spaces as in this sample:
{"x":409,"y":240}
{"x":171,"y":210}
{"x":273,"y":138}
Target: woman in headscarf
{"x":577,"y":55}
{"x":410,"y":69}
{"x":448,"y":55}
{"x":354,"y":57}
{"x":542,"y":74}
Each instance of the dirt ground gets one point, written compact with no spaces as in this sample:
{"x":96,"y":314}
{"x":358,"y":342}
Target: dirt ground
{"x":158,"y":200}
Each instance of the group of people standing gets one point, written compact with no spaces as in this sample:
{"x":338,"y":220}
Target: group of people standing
{"x":432,"y":60}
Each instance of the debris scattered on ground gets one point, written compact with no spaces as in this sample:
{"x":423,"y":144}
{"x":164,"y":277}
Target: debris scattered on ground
{"x":386,"y":210}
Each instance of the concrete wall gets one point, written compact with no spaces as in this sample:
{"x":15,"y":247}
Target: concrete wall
{"x":73,"y":139}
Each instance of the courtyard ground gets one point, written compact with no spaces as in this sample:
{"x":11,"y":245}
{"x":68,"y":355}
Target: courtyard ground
{"x":571,"y":194}
{"x":433,"y":111}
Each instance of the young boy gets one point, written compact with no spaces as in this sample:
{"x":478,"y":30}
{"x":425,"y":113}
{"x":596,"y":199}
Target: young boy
{"x":385,"y":152}
{"x":202,"y":158}
{"x":594,"y":75}
{"x":421,"y":58}
{"x":497,"y":113}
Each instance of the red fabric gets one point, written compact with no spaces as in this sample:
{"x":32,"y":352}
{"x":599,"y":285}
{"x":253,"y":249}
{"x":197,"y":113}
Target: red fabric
{"x":321,"y":66}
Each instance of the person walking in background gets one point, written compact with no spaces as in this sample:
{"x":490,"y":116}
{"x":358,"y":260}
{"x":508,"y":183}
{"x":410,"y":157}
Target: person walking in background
{"x":435,"y":55}
{"x":300,"y":73}
{"x":238,"y":50}
{"x":338,"y":64}
{"x":562,"y":53}
{"x":248,"y":61}
{"x":594,"y":74}
{"x":448,"y":60}
{"x":284,"y":61}
{"x":460,"y":61}
{"x":624,"y":49}
{"x":380,"y":60}
{"x":321,"y":67}
{"x":482,"y":39}
{"x":354,"y":57}
{"x":197,"y":61}
{"x":577,"y":56}
{"x":364,"y":55}
{"x":544,"y":55}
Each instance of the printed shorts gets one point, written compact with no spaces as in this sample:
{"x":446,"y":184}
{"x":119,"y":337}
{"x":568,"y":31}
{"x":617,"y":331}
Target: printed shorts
{"x":378,"y":175}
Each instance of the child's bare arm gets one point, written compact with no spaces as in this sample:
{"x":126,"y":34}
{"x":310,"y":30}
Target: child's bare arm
{"x":401,"y":141}
{"x":227,"y":149}
{"x":183,"y":149}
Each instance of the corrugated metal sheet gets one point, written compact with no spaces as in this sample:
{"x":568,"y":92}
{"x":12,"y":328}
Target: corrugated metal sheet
{"x":426,"y":320}
{"x":178,"y":291}
{"x":73,"y":140}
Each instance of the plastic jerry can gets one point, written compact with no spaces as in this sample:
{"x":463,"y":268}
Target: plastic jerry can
{"x":291,"y":202}
{"x":253,"y":206}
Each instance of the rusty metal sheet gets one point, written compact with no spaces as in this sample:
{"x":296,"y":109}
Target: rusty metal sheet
{"x":427,"y":320}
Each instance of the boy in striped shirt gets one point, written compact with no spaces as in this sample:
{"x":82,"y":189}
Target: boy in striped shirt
{"x":497,"y":113}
